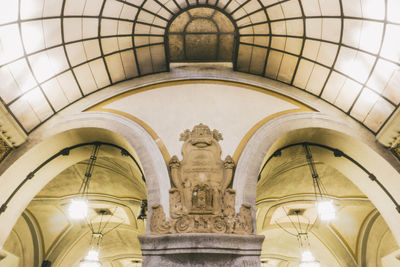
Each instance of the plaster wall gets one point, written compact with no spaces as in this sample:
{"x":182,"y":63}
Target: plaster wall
{"x":231,"y":108}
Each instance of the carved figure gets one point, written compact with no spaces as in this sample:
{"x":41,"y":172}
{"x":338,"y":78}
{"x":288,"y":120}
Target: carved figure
{"x":244,"y":222}
{"x":200,"y":198}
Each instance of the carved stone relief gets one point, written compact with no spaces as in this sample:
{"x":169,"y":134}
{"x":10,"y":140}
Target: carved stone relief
{"x":200,"y":198}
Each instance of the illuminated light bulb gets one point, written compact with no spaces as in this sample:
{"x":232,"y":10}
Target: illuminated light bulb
{"x":87,"y":263}
{"x":308,"y":260}
{"x":92,"y":255}
{"x":78,"y":209}
{"x":91,"y":259}
{"x":307,"y":256}
{"x":326,"y":210}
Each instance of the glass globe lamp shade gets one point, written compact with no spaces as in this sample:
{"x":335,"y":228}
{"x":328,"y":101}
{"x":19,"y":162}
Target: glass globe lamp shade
{"x":308,"y":260}
{"x":326,"y":210}
{"x":310,"y":264}
{"x":91,"y":259}
{"x":78,"y":209}
{"x":88,"y":263}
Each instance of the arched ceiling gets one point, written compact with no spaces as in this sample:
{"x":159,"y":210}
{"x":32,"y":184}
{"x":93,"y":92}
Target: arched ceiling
{"x":116,"y":186}
{"x":113,"y":177}
{"x":286,"y":185}
{"x":54,"y":52}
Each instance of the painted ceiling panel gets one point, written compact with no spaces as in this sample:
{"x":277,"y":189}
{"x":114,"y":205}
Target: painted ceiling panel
{"x":53,"y":53}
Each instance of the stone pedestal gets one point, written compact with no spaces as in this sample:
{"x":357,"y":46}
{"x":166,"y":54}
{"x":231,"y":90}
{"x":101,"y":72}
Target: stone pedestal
{"x":201,"y":249}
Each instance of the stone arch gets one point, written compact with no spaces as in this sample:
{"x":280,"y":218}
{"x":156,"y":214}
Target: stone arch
{"x":74,"y":130}
{"x":322,"y":129}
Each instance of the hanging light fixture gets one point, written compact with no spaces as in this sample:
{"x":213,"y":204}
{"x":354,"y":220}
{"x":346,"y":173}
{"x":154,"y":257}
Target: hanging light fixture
{"x":326,"y":210}
{"x":91,"y":259}
{"x":308,"y":260}
{"x":78,"y":207}
{"x":98,"y":232}
{"x":325,"y":207}
{"x":301,"y":233}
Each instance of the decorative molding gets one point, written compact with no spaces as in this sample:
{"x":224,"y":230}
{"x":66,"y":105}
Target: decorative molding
{"x":4,"y":149}
{"x":201,"y":249}
{"x":389,"y":135}
{"x":245,"y":245}
{"x":200,"y":198}
{"x":396,"y":150}
{"x":10,"y":131}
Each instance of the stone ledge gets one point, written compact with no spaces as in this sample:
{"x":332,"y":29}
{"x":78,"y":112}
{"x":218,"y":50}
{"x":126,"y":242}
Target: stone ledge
{"x":206,"y":243}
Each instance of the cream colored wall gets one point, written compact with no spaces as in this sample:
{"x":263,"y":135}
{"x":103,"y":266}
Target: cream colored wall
{"x":8,"y":259}
{"x":281,"y":246}
{"x":22,"y":246}
{"x":230,"y":108}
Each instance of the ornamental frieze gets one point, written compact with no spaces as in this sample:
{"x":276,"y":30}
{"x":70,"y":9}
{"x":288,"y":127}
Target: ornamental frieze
{"x":201,"y":200}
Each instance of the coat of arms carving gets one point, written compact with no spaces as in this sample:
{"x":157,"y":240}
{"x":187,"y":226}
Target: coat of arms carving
{"x":201,"y":200}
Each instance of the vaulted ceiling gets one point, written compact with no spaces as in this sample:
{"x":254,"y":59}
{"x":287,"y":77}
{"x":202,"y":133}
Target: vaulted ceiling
{"x":116,"y":187}
{"x":54,"y":52}
{"x":286,"y":186}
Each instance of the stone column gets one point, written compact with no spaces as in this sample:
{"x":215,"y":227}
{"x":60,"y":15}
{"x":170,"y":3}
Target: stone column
{"x":201,"y":249}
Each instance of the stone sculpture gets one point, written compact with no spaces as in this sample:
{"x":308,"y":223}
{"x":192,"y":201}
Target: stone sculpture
{"x":200,"y":198}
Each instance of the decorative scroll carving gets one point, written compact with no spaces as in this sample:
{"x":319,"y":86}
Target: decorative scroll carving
{"x":158,"y":223}
{"x":200,"y":198}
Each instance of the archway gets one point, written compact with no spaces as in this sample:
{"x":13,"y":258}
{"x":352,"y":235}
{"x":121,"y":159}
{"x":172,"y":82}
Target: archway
{"x":287,"y":211}
{"x":321,"y":129}
{"x":109,"y":128}
{"x":114,"y":197}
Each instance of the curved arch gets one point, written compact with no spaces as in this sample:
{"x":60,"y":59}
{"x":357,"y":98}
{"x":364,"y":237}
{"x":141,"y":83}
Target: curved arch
{"x":223,"y":11}
{"x":75,"y":236}
{"x":363,"y":238}
{"x":335,"y":153}
{"x":71,"y":131}
{"x":65,"y":152}
{"x":37,"y":237}
{"x":319,"y":128}
{"x":342,"y":255}
{"x":181,"y":12}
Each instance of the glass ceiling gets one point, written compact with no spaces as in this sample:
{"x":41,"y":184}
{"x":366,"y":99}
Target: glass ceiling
{"x":54,"y":52}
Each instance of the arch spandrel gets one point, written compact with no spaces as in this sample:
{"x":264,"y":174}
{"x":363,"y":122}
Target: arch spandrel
{"x":229,"y":106}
